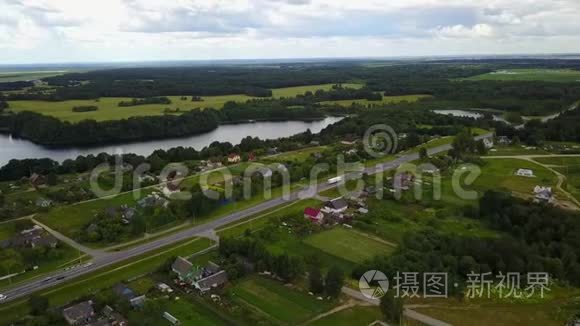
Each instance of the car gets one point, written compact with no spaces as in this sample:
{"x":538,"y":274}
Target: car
{"x":2,"y":297}
{"x":60,"y":278}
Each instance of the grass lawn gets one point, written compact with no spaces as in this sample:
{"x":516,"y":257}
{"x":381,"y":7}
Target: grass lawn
{"x":515,"y":150}
{"x":277,"y":302}
{"x":192,"y":314}
{"x":500,"y":174}
{"x":549,"y":75}
{"x":108,"y":108}
{"x":356,"y":316}
{"x":385,"y":100}
{"x":105,"y":278}
{"x":348,"y":244}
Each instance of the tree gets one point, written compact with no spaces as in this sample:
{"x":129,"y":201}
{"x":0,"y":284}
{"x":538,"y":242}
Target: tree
{"x":315,"y":281}
{"x":423,"y":153}
{"x":334,"y":282}
{"x":480,"y":147}
{"x":52,"y":179}
{"x":38,"y":304}
{"x":2,"y":199}
{"x":392,"y":308}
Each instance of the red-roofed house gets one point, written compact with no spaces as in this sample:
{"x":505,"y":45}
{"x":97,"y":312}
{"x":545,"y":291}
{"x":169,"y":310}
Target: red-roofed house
{"x":251,"y":157}
{"x":234,"y":158}
{"x":315,"y":215}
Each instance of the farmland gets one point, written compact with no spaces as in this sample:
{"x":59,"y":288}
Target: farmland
{"x":108,"y":107}
{"x":548,"y":75}
{"x":278,"y":303}
{"x":568,"y":166}
{"x":348,"y":244}
{"x":500,"y":174}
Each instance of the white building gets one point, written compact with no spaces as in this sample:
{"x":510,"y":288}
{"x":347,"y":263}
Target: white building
{"x":525,"y":173}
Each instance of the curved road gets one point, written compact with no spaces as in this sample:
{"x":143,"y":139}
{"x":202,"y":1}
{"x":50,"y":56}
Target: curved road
{"x":108,"y":259}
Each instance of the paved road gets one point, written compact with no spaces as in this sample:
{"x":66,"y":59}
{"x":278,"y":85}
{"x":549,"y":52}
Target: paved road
{"x":108,"y":259}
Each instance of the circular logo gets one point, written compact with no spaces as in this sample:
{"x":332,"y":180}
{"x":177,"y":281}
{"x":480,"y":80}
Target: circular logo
{"x":373,"y":284}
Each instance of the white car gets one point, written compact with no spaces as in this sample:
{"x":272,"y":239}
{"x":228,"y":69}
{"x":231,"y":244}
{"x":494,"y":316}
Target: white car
{"x":2,"y":297}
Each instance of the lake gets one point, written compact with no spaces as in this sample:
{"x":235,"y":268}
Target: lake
{"x":13,"y":148}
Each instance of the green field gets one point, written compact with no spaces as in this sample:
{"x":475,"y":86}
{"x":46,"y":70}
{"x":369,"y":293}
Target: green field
{"x":355,"y":316}
{"x":108,"y":108}
{"x":296,"y":156}
{"x":13,"y":76}
{"x":385,"y":100}
{"x":549,"y":75}
{"x":500,"y":174}
{"x":280,"y":304}
{"x":192,"y":314}
{"x":348,"y":244}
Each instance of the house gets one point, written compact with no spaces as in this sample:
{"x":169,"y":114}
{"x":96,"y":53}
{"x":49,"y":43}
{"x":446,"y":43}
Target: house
{"x":335,"y":206}
{"x":543,"y":194}
{"x":252,"y":157}
{"x":503,"y":140}
{"x":234,"y":158}
{"x":42,"y":202}
{"x":153,"y":200}
{"x":272,"y":150}
{"x":171,"y":319}
{"x":525,"y":173}
{"x":35,"y":237}
{"x":403,"y":181}
{"x":202,"y":278}
{"x":79,"y":314}
{"x":37,"y":180}
{"x":315,"y":215}
{"x":164,"y":288}
{"x":122,"y":291}
{"x":183,"y":268}
{"x":351,"y":151}
{"x":488,"y":142}
{"x":348,"y":143}
{"x":112,"y":318}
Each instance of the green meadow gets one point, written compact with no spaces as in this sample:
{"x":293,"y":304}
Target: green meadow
{"x":549,"y":75}
{"x":278,"y":303}
{"x":349,"y":245}
{"x":108,"y":107}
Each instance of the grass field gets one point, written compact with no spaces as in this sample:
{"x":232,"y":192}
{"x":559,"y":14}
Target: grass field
{"x":355,"y":316}
{"x":385,"y":100}
{"x":108,"y":108}
{"x":549,"y":75}
{"x":192,"y":314}
{"x":348,"y":244}
{"x":298,"y":155}
{"x":500,"y":174}
{"x":280,"y":304}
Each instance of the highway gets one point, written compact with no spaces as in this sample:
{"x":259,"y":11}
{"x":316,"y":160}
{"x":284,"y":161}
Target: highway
{"x":62,"y":276}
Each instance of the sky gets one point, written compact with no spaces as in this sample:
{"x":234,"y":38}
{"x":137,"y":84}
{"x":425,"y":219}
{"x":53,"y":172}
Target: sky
{"x":45,"y":31}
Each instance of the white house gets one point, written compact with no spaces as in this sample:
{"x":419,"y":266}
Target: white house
{"x":525,"y":173}
{"x":488,"y":142}
{"x":335,"y":206}
{"x":543,"y":194}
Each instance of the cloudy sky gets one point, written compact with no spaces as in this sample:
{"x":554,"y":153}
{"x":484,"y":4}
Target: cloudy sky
{"x":35,"y":31}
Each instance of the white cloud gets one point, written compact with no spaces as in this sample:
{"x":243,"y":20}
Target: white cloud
{"x":72,"y":30}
